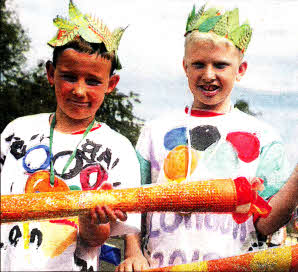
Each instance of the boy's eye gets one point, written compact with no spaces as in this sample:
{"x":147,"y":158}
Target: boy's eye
{"x":220,"y":65}
{"x":93,"y":82}
{"x":197,"y":65}
{"x":69,"y":78}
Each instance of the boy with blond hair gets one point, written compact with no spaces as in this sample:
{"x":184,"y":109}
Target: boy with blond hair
{"x":216,"y":141}
{"x":68,"y":150}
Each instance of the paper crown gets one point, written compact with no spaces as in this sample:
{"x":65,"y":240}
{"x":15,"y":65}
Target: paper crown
{"x":90,"y":29}
{"x":225,"y":25}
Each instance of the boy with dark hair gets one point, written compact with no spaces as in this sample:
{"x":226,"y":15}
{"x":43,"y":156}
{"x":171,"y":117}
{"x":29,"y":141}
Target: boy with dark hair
{"x":69,"y":150}
{"x":209,"y":140}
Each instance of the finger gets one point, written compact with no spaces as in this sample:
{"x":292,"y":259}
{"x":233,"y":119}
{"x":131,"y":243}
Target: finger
{"x":110,"y":214}
{"x":117,"y":269}
{"x":93,"y":217}
{"x":141,"y":266}
{"x":145,"y":266}
{"x":128,"y":267}
{"x":101,"y":215}
{"x":121,"y":215}
{"x":120,"y":268}
{"x":136,"y":267}
{"x":85,"y":217}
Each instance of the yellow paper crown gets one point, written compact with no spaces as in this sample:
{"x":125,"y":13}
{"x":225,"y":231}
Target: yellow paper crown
{"x":225,"y":25}
{"x":90,"y":29}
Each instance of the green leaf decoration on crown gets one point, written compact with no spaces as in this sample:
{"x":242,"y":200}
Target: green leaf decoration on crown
{"x":90,"y":29}
{"x":225,"y":25}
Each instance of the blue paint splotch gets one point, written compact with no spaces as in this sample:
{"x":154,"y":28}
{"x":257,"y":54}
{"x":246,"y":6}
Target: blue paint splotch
{"x":175,"y":137}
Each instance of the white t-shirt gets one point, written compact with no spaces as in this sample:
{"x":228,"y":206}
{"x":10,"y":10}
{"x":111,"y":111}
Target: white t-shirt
{"x":104,"y":159}
{"x":222,"y":146}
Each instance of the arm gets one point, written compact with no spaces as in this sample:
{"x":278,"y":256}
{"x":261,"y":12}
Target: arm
{"x":283,"y":205}
{"x":134,"y":258}
{"x":94,"y":228}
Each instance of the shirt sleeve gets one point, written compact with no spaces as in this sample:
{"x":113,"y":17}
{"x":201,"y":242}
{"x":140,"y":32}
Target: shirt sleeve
{"x":6,"y":137}
{"x":143,"y":153}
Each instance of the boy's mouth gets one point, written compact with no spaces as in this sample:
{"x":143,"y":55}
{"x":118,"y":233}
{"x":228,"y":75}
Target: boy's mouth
{"x":80,"y":103}
{"x":209,"y":90}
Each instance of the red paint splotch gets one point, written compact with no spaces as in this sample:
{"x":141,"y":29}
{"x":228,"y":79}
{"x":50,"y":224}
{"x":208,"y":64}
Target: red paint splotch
{"x":246,"y":144}
{"x":64,"y":222}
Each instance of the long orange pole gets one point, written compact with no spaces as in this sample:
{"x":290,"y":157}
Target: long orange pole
{"x":280,"y":259}
{"x":202,"y":196}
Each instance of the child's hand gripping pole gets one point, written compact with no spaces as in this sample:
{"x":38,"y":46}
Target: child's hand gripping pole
{"x":219,"y":196}
{"x":282,"y":259}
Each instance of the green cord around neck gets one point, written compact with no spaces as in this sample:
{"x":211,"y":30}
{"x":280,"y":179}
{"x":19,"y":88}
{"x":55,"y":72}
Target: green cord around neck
{"x":53,"y":123}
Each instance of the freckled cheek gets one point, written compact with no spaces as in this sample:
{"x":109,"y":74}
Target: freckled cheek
{"x":65,"y":89}
{"x":193,"y":77}
{"x":96,"y":97}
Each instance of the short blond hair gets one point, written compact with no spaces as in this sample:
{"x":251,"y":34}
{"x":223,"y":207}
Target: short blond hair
{"x":195,"y":36}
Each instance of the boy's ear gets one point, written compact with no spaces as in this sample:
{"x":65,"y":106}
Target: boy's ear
{"x":241,"y":70}
{"x":50,"y":72}
{"x":114,"y":79}
{"x":184,"y":66}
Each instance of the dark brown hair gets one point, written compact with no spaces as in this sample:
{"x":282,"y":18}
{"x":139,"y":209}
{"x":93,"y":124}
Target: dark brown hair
{"x":80,"y":45}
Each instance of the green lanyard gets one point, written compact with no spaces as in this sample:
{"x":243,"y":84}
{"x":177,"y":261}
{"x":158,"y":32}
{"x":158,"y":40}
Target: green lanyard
{"x":53,"y":123}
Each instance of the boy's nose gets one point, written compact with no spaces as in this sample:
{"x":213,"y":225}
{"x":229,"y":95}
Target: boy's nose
{"x":208,"y":74}
{"x":79,"y":89}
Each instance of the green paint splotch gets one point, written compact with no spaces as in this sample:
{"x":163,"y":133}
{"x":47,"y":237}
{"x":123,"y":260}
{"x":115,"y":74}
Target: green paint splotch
{"x":273,"y":168}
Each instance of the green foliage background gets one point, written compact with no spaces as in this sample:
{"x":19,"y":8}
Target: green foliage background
{"x":24,"y":93}
{"x":243,"y":106}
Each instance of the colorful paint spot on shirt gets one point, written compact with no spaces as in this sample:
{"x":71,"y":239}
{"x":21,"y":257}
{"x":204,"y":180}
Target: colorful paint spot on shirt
{"x":221,"y":159}
{"x":57,"y":238}
{"x":246,"y":144}
{"x":273,"y":168}
{"x":176,"y":163}
{"x":204,"y":136}
{"x":175,"y":137}
{"x":145,"y":169}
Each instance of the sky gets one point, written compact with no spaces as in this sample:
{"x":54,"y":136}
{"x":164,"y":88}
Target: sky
{"x":152,"y":47}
